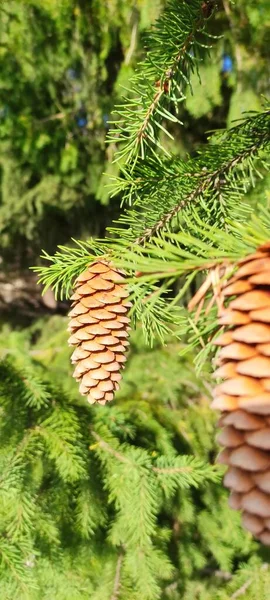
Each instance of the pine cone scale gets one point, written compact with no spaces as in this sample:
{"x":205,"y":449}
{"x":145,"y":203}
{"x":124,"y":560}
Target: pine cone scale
{"x":244,"y":395}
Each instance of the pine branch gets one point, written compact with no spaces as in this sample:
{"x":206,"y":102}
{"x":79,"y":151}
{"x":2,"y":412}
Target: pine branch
{"x":117,"y":579}
{"x":172,"y":470}
{"x":11,"y":558}
{"x":192,"y":470}
{"x":173,"y":44}
{"x":160,"y":192}
{"x":211,"y":181}
{"x":67,"y":263}
{"x":242,"y":590}
{"x":109,"y":448}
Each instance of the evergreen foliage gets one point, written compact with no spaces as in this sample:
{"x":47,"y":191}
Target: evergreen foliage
{"x":76,"y":480}
{"x":61,"y":65}
{"x":124,"y":502}
{"x":67,"y":63}
{"x":162,"y":78}
{"x":119,"y":501}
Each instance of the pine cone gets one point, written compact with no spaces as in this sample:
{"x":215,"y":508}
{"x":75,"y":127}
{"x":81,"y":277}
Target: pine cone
{"x":99,"y":324}
{"x":244,"y":396}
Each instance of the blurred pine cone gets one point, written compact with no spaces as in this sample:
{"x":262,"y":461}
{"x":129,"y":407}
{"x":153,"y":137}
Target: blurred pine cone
{"x":99,"y":324}
{"x":244,"y":396}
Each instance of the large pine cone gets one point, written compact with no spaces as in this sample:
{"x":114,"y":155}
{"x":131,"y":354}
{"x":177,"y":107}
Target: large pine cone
{"x":99,"y":324}
{"x":244,"y":396}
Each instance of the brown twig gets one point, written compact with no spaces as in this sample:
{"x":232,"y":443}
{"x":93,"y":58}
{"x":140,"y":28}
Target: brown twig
{"x":163,"y":85}
{"x":242,"y":589}
{"x":207,"y":180}
{"x":168,"y":75}
{"x":109,"y":448}
{"x":60,"y":115}
{"x":247,"y":584}
{"x":117,"y":579}
{"x":170,"y":470}
{"x":124,"y":459}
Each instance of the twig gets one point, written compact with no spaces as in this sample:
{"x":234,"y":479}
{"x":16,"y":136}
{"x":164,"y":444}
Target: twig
{"x":225,"y":575}
{"x":242,"y":589}
{"x":247,"y":584}
{"x":207,"y":180}
{"x":109,"y":448}
{"x":170,"y":470}
{"x":117,"y":580}
{"x":132,"y":44}
{"x":164,"y":83}
{"x":168,"y":76}
{"x":124,"y":459}
{"x":59,"y":115}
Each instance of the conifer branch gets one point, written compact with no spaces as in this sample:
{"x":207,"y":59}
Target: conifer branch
{"x":166,"y":78}
{"x":109,"y":448}
{"x":172,"y":470}
{"x":160,"y":192}
{"x":10,"y":557}
{"x":195,"y":470}
{"x":117,"y":579}
{"x":209,"y":181}
{"x":242,"y":590}
{"x":173,"y":44}
{"x":16,"y":459}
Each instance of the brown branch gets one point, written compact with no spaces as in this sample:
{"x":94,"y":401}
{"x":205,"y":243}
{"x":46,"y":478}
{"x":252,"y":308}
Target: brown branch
{"x":117,"y":579}
{"x":242,"y":589}
{"x":109,"y":448}
{"x":170,"y":470}
{"x":124,"y":459}
{"x":225,"y":575}
{"x":132,"y":45}
{"x":163,"y":84}
{"x":148,"y":116}
{"x":168,"y":75}
{"x":60,"y":115}
{"x":247,"y":584}
{"x":207,"y":180}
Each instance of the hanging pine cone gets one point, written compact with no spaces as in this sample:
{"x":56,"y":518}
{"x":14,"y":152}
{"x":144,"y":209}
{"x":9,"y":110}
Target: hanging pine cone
{"x":99,"y":324}
{"x":244,"y":396}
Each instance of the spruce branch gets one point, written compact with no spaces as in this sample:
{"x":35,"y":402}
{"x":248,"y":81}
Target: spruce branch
{"x":11,"y":558}
{"x":210,"y":181}
{"x":246,"y":585}
{"x":182,"y":470}
{"x":174,"y":43}
{"x":106,"y":446}
{"x":165,"y":190}
{"x":117,"y":579}
{"x":159,"y":192}
{"x":66,"y":264}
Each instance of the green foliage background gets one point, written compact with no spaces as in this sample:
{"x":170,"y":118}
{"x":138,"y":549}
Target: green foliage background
{"x":65,"y":61}
{"x":121,"y":502}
